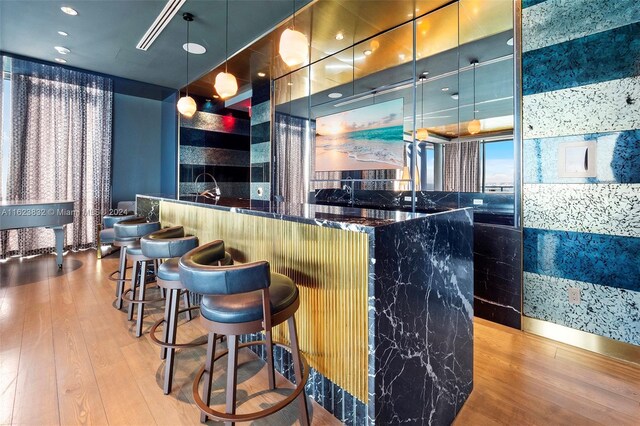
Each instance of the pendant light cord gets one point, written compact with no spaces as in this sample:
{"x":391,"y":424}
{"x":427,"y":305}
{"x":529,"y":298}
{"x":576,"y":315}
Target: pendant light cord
{"x":293,"y":24}
{"x":422,"y":103}
{"x":187,"y":49}
{"x":474,"y":88}
{"x":226,"y":40}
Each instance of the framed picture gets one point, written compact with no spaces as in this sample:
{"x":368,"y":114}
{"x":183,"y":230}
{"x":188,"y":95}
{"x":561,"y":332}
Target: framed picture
{"x":368,"y":138}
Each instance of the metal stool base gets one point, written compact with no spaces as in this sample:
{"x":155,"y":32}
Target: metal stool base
{"x":226,"y":417}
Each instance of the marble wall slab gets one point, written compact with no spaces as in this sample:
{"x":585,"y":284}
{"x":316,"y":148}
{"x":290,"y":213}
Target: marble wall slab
{"x":612,"y":209}
{"x":595,"y":258}
{"x":546,"y":23}
{"x":218,"y":156}
{"x":266,"y":190}
{"x":260,"y":113}
{"x":216,"y":123}
{"x":260,"y":152}
{"x":261,"y":143}
{"x":571,"y":63}
{"x":603,"y":310}
{"x":595,"y":108}
{"x":617,"y":158}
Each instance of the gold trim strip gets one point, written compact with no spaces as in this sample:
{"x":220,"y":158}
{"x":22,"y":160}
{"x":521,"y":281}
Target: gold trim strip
{"x":330,"y":267}
{"x":581,"y":339}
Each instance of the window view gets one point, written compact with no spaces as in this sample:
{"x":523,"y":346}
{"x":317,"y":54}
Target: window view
{"x":497,"y":166}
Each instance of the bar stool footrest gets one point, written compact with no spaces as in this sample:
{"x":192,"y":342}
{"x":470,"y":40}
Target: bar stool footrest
{"x":117,"y":271}
{"x":127,"y":299}
{"x":245,"y":417}
{"x":159,"y":342}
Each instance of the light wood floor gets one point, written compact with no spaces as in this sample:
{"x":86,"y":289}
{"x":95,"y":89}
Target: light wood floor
{"x":68,"y":357}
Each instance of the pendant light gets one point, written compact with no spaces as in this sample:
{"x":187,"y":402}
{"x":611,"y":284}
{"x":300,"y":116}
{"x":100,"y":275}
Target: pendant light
{"x":474,"y":126}
{"x":186,"y":104}
{"x":294,"y":46}
{"x":226,"y":84}
{"x":422,"y":134}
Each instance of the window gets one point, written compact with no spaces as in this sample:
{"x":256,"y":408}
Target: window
{"x":497,"y":166}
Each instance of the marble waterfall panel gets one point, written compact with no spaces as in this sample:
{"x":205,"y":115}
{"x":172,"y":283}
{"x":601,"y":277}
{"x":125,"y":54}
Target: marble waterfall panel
{"x":612,"y":209}
{"x":423,"y":294}
{"x":599,"y":307}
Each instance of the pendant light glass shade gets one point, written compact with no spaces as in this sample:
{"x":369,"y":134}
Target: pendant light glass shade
{"x":294,"y":47}
{"x":187,"y":106}
{"x":474,"y":127}
{"x":422,"y":134}
{"x":226,"y":85}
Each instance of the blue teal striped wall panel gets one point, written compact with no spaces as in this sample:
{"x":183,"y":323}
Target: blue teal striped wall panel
{"x":595,"y":258}
{"x":556,"y":21}
{"x":581,"y":82}
{"x":572,"y":63}
{"x":617,"y":157}
{"x":606,"y":311}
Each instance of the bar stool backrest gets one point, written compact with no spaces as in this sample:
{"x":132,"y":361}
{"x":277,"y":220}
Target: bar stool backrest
{"x":200,"y":272}
{"x":134,"y":228}
{"x":167,"y":243}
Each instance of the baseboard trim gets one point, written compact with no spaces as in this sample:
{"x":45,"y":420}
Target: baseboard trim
{"x":581,"y":339}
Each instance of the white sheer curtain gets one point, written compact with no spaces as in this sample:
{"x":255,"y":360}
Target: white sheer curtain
{"x":59,"y":148}
{"x":462,"y":166}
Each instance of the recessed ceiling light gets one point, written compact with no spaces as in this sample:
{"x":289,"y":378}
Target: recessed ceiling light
{"x":62,"y":50}
{"x":216,"y":96}
{"x":455,"y":96}
{"x":409,"y":15}
{"x":261,"y":74}
{"x":195,"y":48}
{"x":339,"y":36}
{"x":445,"y":89}
{"x":367,"y":52}
{"x":335,"y":95}
{"x":450,"y":133}
{"x":289,"y":84}
{"x":401,"y":56}
{"x":69,"y":10}
{"x":62,"y":33}
{"x":510,"y":41}
{"x":476,"y":111}
{"x":62,"y":61}
{"x":426,"y":73}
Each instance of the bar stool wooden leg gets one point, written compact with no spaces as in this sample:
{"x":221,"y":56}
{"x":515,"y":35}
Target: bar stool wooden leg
{"x":208,"y":372}
{"x":141,"y":291}
{"x":165,"y":329}
{"x":134,"y":279}
{"x":121,"y":276}
{"x":232,"y":375}
{"x":297,"y":367}
{"x":171,"y":336}
{"x":187,"y":304}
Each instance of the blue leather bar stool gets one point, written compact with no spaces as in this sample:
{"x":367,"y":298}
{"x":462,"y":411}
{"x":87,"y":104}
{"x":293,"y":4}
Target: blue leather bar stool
{"x":107,"y":234}
{"x":123,"y":238}
{"x":132,"y":231}
{"x":242,"y":299}
{"x":169,"y":244}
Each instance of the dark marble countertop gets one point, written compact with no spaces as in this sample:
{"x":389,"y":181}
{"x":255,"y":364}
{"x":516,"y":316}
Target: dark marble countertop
{"x":348,"y":218}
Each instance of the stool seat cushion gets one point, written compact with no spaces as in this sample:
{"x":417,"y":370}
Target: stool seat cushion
{"x":107,"y":236}
{"x":135,"y":249}
{"x":247,"y":307}
{"x":169,"y":270}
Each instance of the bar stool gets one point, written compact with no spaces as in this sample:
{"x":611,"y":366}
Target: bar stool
{"x":123,"y":237}
{"x":242,"y":299}
{"x":170,"y":244}
{"x":139,"y":263}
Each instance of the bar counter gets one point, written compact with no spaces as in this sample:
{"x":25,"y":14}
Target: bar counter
{"x":386,"y":313}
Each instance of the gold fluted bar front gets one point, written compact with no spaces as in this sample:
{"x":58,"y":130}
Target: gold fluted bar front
{"x":328,"y":265}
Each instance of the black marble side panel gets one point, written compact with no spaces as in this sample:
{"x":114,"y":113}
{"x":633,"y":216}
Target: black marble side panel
{"x":497,"y":254}
{"x":423,"y":369}
{"x":148,"y":208}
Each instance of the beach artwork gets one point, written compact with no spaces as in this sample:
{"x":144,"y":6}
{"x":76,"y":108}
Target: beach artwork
{"x":366,"y":138}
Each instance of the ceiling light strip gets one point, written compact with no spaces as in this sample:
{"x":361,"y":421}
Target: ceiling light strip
{"x":162,"y":20}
